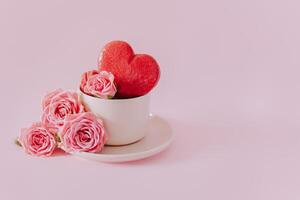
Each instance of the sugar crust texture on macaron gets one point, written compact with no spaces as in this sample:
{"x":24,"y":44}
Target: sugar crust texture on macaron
{"x":135,"y":74}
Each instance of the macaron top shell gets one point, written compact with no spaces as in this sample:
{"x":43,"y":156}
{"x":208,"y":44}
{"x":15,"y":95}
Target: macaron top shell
{"x":135,"y":74}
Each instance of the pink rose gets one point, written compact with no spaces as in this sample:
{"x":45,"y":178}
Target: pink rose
{"x":57,"y":105}
{"x":83,"y":132}
{"x":98,"y":84}
{"x":37,"y":140}
{"x":85,"y":77}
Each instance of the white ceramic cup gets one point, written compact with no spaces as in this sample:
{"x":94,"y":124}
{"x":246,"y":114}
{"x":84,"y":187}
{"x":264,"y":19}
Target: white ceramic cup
{"x":125,"y":120}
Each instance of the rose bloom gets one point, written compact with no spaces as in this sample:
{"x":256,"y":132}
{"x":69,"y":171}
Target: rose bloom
{"x":98,"y":84}
{"x":37,"y":140}
{"x":57,"y":105}
{"x":83,"y":132}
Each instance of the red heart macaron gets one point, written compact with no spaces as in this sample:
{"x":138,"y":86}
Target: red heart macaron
{"x":135,"y":74}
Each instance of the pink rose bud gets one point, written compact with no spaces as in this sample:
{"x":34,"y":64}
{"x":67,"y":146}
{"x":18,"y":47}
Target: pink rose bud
{"x":85,"y":77}
{"x":83,"y":132}
{"x":57,"y":105}
{"x":98,"y":84}
{"x":37,"y":140}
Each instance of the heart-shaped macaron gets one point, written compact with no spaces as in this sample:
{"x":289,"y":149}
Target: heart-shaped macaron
{"x":135,"y":74}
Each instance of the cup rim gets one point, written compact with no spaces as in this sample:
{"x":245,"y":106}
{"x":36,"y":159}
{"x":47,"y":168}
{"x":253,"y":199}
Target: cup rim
{"x":128,"y":99}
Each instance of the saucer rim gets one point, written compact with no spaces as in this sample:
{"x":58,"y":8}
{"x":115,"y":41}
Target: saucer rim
{"x":114,"y":158}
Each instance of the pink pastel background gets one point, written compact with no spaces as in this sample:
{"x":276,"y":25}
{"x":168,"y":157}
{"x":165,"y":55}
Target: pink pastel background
{"x":229,"y":88}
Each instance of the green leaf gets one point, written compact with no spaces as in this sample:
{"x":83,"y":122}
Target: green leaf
{"x":58,"y":138}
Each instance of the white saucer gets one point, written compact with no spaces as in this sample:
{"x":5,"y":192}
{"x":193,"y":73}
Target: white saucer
{"x":158,"y":138}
